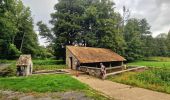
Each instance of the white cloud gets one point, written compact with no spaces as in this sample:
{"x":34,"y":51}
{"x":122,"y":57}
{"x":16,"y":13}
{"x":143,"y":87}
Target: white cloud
{"x":41,"y":10}
{"x":156,"y":12}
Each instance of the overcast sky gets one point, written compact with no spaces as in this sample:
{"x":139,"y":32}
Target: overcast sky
{"x":157,"y":12}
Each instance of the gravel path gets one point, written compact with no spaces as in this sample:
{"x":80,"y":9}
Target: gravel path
{"x":120,"y":91}
{"x":72,"y":95}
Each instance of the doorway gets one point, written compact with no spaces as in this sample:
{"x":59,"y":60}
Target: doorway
{"x":71,"y":62}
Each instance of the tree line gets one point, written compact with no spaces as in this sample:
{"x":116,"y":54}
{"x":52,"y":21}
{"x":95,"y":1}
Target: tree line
{"x":92,"y":23}
{"x":95,"y":23}
{"x":17,"y":33}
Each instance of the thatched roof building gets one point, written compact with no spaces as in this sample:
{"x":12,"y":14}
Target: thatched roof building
{"x":90,"y":56}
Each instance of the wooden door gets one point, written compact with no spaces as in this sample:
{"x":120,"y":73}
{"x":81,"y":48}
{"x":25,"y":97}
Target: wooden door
{"x":71,"y":62}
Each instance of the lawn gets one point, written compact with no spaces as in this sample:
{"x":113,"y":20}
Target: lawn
{"x":159,"y":62}
{"x":47,"y":83}
{"x":41,"y":83}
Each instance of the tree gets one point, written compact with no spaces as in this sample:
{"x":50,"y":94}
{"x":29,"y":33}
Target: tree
{"x":168,"y":43}
{"x":45,"y":32}
{"x":16,"y":29}
{"x":85,"y":22}
{"x":162,"y":49}
{"x":132,"y":37}
{"x":8,"y":26}
{"x":66,"y":21}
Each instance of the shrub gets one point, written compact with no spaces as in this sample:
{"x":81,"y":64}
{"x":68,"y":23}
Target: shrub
{"x":13,"y":52}
{"x":8,"y":71}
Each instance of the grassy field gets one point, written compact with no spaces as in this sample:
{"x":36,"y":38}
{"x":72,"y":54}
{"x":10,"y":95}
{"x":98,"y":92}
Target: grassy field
{"x":151,"y":64}
{"x":47,"y":83}
{"x":48,"y":65}
{"x":160,"y":62}
{"x":157,"y":78}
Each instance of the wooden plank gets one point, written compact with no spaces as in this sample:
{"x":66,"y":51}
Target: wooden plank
{"x":118,"y":72}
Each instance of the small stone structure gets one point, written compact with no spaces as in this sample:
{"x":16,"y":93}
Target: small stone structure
{"x":24,"y":65}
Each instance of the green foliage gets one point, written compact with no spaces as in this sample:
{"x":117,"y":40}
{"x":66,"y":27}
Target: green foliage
{"x":155,"y":79}
{"x":168,"y":43}
{"x":136,"y":35}
{"x":7,"y":72}
{"x":16,"y":29}
{"x":84,"y":22}
{"x":13,"y":52}
{"x":48,"y":62}
{"x":43,"y":53}
{"x":44,"y":31}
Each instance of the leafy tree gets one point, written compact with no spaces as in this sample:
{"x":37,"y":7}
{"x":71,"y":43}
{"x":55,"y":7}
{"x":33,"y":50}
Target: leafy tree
{"x":45,"y":32}
{"x":16,"y":29}
{"x":133,"y":39}
{"x":66,"y":21}
{"x":168,"y":43}
{"x":85,"y":22}
{"x":161,"y":46}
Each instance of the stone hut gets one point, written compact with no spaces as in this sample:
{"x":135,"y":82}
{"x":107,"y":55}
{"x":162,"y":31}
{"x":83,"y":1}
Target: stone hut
{"x":92,"y":57}
{"x":24,"y":65}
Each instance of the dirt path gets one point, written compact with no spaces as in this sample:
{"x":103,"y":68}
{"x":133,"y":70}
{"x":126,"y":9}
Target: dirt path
{"x":121,"y":91}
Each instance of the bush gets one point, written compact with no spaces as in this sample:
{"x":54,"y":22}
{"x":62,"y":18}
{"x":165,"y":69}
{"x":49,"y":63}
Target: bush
{"x":13,"y":52}
{"x":8,"y":71}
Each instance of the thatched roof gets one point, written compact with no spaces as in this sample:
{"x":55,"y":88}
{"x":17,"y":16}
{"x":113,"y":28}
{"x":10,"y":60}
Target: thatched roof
{"x":90,"y":55}
{"x":24,"y":60}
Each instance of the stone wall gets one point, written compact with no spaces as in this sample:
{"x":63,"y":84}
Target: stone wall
{"x":93,"y":71}
{"x":74,"y":60}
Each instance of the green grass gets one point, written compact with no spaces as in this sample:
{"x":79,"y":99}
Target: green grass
{"x":151,"y":64}
{"x":160,"y":62}
{"x":155,"y":79}
{"x":41,"y":83}
{"x":161,"y":59}
{"x":48,"y":62}
{"x":48,"y":67}
{"x":47,"y":83}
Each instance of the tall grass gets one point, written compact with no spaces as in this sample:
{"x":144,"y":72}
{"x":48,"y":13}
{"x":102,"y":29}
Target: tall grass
{"x":155,"y":79}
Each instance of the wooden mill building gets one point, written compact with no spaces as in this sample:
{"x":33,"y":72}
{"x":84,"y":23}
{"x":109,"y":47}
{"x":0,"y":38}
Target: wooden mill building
{"x":92,"y":57}
{"x":24,"y":65}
